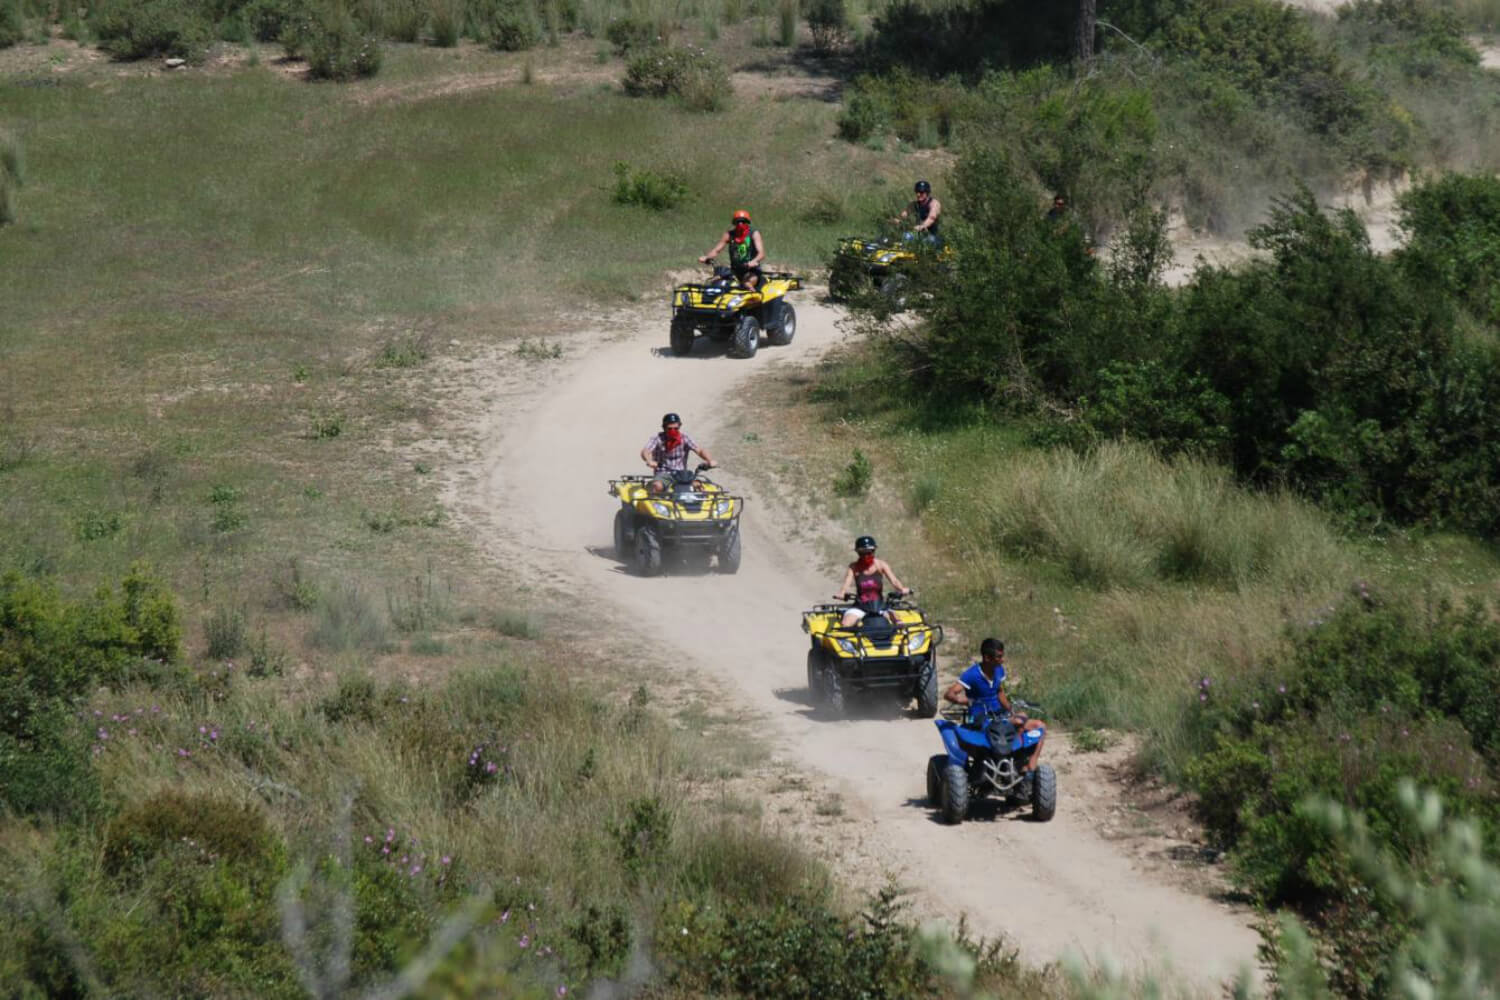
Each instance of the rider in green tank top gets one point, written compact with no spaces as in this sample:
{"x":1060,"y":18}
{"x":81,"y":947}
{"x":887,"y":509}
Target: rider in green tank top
{"x":746,"y":250}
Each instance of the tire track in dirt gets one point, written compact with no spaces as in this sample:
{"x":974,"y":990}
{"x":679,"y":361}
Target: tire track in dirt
{"x":539,"y":497}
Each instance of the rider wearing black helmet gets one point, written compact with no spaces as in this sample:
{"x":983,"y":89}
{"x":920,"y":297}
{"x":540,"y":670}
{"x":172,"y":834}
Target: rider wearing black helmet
{"x":925,"y":209}
{"x":865,"y":580}
{"x":668,"y":451}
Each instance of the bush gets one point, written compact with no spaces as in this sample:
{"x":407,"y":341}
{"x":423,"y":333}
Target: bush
{"x":12,"y":27}
{"x":268,"y":20}
{"x":854,"y":480}
{"x":798,"y":949}
{"x":648,"y":188}
{"x":141,"y":29}
{"x":829,"y":23}
{"x":339,"y":49}
{"x":447,"y":22}
{"x":632,"y":34}
{"x":1452,"y":228}
{"x":694,"y":76}
{"x":1372,"y":694}
{"x":510,"y":25}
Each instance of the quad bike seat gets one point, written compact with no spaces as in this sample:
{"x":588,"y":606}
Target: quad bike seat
{"x":877,"y":628}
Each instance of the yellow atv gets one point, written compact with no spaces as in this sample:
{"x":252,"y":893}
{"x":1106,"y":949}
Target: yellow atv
{"x":725,"y":310}
{"x":677,"y":517}
{"x":896,"y":657}
{"x":887,"y":264}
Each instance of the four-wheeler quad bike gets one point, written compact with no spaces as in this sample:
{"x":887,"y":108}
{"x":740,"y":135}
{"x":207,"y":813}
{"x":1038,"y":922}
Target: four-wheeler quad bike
{"x":886,"y":263}
{"x":691,"y":521}
{"x":725,"y":310}
{"x":988,"y":756}
{"x":897,"y":658}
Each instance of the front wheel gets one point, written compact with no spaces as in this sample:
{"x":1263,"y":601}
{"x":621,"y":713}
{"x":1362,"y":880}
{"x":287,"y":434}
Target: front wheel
{"x":833,"y":690}
{"x":815,"y":674}
{"x":623,"y":549}
{"x":927,"y":689}
{"x":1043,"y":793}
{"x":683,"y":335}
{"x":954,"y":806}
{"x":647,"y":552}
{"x":783,"y":334}
{"x":746,"y":337}
{"x":897,"y":291}
{"x":729,"y":552}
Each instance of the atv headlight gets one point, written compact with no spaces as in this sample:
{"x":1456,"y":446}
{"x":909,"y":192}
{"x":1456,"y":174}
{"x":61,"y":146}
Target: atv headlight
{"x":918,"y":643}
{"x":660,"y":509}
{"x":848,"y":646}
{"x":734,"y":301}
{"x":723,"y":507}
{"x":885,"y":258}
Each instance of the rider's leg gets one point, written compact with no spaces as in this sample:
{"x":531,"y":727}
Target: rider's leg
{"x":852,"y":617}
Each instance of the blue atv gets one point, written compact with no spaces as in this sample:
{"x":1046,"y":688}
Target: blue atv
{"x":988,"y":756}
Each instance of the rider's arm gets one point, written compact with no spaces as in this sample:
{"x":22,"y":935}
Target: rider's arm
{"x":956,"y":694}
{"x":647,"y":454}
{"x":702,"y":453}
{"x":1003,"y":697}
{"x":890,"y":575}
{"x":934,"y":207}
{"x":760,"y":249}
{"x":723,"y":242}
{"x":847,"y":587}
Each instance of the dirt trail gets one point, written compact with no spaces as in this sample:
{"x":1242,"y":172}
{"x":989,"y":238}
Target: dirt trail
{"x":540,"y":499}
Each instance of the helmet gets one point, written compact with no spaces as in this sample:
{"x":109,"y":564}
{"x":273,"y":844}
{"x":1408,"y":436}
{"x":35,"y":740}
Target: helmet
{"x":864,"y":543}
{"x":670,"y":418}
{"x":742,"y":216}
{"x":922,"y":187}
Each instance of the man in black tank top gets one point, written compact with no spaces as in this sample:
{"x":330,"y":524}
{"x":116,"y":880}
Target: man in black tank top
{"x":925,"y":210}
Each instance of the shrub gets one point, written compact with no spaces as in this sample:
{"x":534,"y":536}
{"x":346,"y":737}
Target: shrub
{"x":829,"y":23}
{"x":511,"y":25}
{"x":268,"y":20}
{"x":1371,"y":694}
{"x":339,"y":49}
{"x":12,"y":26}
{"x":225,"y":633}
{"x":694,"y":76}
{"x":1452,"y":227}
{"x":799,"y":948}
{"x":348,"y":619}
{"x":213,"y":829}
{"x":447,"y":18}
{"x":632,"y":34}
{"x":141,"y":29}
{"x":647,"y":188}
{"x":854,"y":480}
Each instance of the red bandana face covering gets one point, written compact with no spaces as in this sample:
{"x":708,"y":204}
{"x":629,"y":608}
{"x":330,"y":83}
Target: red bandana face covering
{"x":671,"y":438}
{"x":740,"y":229}
{"x":864,"y":562}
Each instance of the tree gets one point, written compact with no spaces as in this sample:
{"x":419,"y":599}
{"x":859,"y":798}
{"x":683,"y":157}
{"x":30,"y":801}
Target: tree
{"x":1083,"y":49}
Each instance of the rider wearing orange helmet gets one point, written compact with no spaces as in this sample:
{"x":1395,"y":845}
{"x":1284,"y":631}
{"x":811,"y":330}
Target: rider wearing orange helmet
{"x":746,"y":250}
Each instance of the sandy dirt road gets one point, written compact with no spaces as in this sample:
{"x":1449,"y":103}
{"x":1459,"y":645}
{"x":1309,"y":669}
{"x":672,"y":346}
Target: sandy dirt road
{"x":1047,"y":887}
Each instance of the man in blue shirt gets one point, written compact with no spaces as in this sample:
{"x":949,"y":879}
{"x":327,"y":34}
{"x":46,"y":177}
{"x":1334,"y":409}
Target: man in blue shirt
{"x":980,"y":686}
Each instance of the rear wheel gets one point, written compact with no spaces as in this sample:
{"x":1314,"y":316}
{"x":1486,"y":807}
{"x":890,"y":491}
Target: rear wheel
{"x":729,"y":552}
{"x":682,"y":336}
{"x":783,"y":334}
{"x":647,"y":552}
{"x":927,"y":689}
{"x":955,"y":793}
{"x":935,"y":768}
{"x":623,"y":549}
{"x":1044,"y":793}
{"x":746,"y":337}
{"x":833,"y":690}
